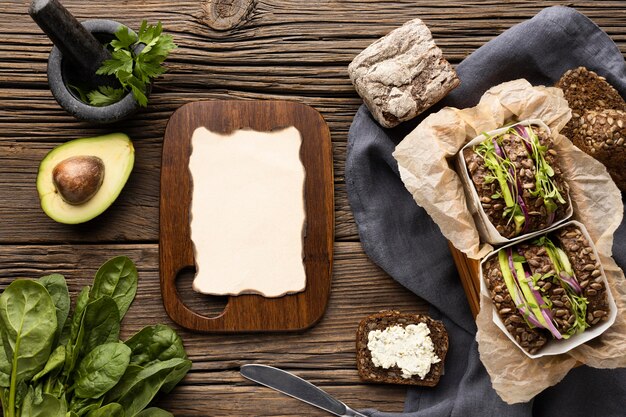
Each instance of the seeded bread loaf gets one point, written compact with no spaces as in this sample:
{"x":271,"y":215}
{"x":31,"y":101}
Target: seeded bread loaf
{"x":602,"y":134}
{"x":402,"y":74}
{"x":385,"y":319}
{"x":598,"y":123}
{"x":585,"y":90}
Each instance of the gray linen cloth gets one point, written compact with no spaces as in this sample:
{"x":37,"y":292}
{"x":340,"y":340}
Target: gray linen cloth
{"x":401,"y":238}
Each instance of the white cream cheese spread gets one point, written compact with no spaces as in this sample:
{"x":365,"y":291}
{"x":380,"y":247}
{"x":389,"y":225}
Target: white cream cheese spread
{"x":409,"y":348}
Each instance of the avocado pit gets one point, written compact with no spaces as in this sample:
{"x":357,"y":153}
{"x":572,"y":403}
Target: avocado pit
{"x":78,"y":178}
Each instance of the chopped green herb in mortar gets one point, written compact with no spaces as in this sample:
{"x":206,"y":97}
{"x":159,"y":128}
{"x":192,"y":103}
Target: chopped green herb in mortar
{"x":134,"y":67}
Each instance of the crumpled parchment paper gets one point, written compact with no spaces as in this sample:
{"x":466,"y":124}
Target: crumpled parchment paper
{"x":425,"y":159}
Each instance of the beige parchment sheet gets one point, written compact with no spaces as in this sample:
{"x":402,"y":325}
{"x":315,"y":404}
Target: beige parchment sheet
{"x":426,"y":167}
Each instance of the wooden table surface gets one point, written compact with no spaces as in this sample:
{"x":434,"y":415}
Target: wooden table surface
{"x":228,"y":49}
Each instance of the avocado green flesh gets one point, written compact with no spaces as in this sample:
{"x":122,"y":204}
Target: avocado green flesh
{"x":528,"y":295}
{"x":565,"y":261}
{"x":507,"y":274}
{"x":504,"y":185}
{"x":118,"y":155}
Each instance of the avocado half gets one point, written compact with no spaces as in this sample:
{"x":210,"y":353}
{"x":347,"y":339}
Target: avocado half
{"x":116,"y":157}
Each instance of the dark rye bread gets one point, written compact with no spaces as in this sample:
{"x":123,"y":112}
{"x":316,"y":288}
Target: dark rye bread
{"x":530,"y":339}
{"x":602,"y":134}
{"x":380,"y":321}
{"x":517,"y":153}
{"x":585,"y":90}
{"x":588,"y":272}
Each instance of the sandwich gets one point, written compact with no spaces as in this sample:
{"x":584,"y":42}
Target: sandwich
{"x":550,"y":287}
{"x":518,"y":180}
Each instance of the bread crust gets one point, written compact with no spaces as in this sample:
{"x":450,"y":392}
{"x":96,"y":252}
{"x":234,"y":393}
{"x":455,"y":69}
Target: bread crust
{"x":380,"y":321}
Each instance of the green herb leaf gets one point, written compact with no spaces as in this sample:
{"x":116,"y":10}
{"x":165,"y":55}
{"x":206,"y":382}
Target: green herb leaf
{"x":105,"y":96}
{"x":155,"y":343}
{"x":109,"y":410}
{"x":117,"y":278}
{"x":154,"y":412}
{"x":28,"y":325}
{"x":101,"y":369}
{"x":134,"y":71}
{"x":125,"y":38}
{"x":80,"y":91}
{"x":57,"y":288}
{"x":122,"y":60}
{"x":55,"y":362}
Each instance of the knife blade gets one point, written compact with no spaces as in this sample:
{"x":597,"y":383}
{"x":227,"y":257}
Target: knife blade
{"x":296,"y":387}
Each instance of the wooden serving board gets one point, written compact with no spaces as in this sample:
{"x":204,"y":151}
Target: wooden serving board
{"x":247,"y":313}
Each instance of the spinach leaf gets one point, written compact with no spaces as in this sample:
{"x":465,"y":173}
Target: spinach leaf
{"x":82,"y":406}
{"x":77,"y":332}
{"x":152,"y":343}
{"x":154,"y":412}
{"x":57,"y":288}
{"x":101,"y":323}
{"x":101,"y":369}
{"x":28,"y":325}
{"x":5,"y":367}
{"x":81,"y":304}
{"x":28,"y":320}
{"x":129,"y":378}
{"x":55,"y":361}
{"x":117,"y":278}
{"x":138,"y":392}
{"x":54,"y":386}
{"x":109,"y":410}
{"x":46,"y":406}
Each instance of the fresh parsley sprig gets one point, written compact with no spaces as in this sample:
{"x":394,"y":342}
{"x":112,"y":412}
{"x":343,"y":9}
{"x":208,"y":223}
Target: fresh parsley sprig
{"x":135,"y":61}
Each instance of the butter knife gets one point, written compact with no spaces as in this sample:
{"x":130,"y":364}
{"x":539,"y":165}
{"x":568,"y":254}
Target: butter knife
{"x":296,"y":387}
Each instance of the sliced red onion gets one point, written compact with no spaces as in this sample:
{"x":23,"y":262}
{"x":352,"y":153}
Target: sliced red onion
{"x":531,"y":318}
{"x":521,"y":203}
{"x":520,"y":200}
{"x":526,"y":138}
{"x":547,"y":314}
{"x":571,"y":281}
{"x":551,"y":217}
{"x":499,"y":150}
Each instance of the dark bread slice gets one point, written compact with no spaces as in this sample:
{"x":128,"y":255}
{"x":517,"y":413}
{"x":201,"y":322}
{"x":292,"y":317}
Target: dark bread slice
{"x":602,"y":134}
{"x":587,"y":270}
{"x":585,"y":90}
{"x":529,"y":339}
{"x":380,"y":321}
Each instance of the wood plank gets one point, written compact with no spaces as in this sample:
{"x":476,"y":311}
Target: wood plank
{"x":325,"y":354}
{"x":133,"y":217}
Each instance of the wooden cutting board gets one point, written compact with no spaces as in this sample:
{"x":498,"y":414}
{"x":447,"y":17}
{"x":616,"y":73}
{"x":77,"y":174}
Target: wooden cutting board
{"x":247,"y":313}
